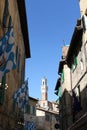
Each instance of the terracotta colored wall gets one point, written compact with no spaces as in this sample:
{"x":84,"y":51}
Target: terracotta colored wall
{"x":13,"y":78}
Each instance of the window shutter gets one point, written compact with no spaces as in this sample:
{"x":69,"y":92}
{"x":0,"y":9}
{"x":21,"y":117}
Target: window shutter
{"x":27,"y":109}
{"x":14,"y":105}
{"x":73,"y":67}
{"x":17,"y":59}
{"x":16,"y":53}
{"x":10,"y":22}
{"x":62,"y":75}
{"x":83,"y":23}
{"x":18,"y":63}
{"x":34,"y":110}
{"x":23,"y":73}
{"x":5,"y":14}
{"x":1,"y":95}
{"x":75,"y":62}
{"x":2,"y":89}
{"x":59,"y":92}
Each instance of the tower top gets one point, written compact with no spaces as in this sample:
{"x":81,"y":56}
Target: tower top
{"x":44,"y":78}
{"x":44,"y":81}
{"x":44,"y":88}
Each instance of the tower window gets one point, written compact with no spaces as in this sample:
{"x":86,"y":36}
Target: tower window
{"x":43,"y":82}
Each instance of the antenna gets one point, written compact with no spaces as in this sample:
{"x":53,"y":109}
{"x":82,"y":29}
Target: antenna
{"x":64,"y":42}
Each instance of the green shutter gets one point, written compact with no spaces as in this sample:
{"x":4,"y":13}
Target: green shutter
{"x":73,"y":67}
{"x":75,"y":62}
{"x":62,"y":75}
{"x":59,"y":92}
{"x":83,"y":23}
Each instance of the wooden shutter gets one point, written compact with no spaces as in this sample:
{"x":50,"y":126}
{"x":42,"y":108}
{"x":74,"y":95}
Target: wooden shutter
{"x":62,"y":76}
{"x":5,"y":14}
{"x":2,"y":89}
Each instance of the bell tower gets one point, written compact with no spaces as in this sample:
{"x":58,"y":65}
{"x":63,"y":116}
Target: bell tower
{"x":44,"y":88}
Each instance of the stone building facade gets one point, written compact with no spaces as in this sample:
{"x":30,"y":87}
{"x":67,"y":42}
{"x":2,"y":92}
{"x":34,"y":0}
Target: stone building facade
{"x":73,"y":75}
{"x":46,"y":119}
{"x":13,"y":80}
{"x":40,"y":118}
{"x":30,"y":113}
{"x":63,"y":90}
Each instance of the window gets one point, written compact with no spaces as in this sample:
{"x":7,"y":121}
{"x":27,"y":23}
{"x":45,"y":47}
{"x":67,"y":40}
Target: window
{"x":43,"y":82}
{"x":17,"y":59}
{"x":14,"y":105}
{"x":86,"y":47}
{"x":32,"y":110}
{"x":86,"y":91}
{"x":57,"y":117}
{"x":84,"y":21}
{"x":74,"y":64}
{"x":86,"y":50}
{"x":59,"y":93}
{"x":47,"y":117}
{"x":5,"y":14}
{"x":2,"y":89}
{"x":27,"y":109}
{"x":23,"y":73}
{"x":62,"y":76}
{"x":16,"y":53}
{"x":79,"y":94}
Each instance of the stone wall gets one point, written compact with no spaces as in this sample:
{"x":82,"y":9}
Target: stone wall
{"x":14,"y":78}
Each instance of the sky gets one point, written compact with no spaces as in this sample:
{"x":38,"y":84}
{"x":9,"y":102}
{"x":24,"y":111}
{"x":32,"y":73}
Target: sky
{"x":50,"y":25}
